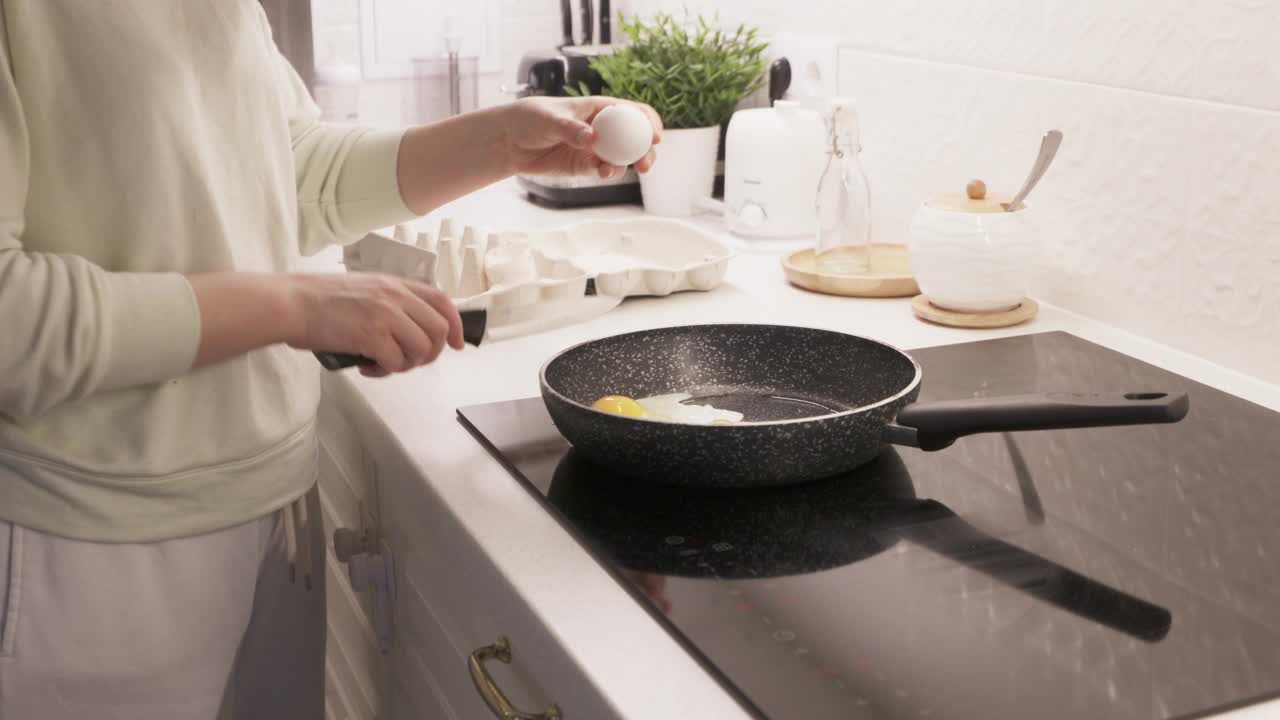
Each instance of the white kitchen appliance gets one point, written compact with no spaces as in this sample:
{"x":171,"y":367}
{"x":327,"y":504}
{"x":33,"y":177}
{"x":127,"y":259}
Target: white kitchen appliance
{"x":773,"y":160}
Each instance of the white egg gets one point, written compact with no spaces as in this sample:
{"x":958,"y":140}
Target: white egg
{"x":511,"y":264}
{"x":671,"y":408}
{"x":623,"y":134}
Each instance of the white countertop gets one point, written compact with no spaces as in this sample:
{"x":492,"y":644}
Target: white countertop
{"x":559,"y":579}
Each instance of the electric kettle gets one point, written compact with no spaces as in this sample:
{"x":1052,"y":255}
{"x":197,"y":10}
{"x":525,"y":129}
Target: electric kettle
{"x":774,"y":158}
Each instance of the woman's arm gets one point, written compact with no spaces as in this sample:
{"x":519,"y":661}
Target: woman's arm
{"x":352,"y":180}
{"x":69,"y":328}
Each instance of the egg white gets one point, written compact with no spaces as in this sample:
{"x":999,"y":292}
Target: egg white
{"x":670,"y":408}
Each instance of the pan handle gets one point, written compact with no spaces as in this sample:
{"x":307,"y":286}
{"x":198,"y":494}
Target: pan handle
{"x":473,"y":327}
{"x":936,"y":425}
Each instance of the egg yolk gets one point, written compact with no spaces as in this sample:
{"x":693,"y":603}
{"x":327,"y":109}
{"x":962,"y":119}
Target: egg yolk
{"x":619,"y":405}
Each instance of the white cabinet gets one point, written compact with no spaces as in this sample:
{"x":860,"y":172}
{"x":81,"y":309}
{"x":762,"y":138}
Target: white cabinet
{"x":348,"y":498}
{"x":450,"y":600}
{"x":393,"y":32}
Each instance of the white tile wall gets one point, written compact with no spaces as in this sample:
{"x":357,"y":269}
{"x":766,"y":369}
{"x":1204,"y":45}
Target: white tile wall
{"x":1160,"y":215}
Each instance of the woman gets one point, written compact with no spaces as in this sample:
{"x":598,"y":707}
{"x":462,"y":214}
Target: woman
{"x":162,"y":170}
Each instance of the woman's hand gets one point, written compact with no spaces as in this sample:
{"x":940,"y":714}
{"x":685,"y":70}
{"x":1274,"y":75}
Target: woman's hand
{"x":441,"y":162}
{"x":553,"y":136}
{"x":399,"y":323}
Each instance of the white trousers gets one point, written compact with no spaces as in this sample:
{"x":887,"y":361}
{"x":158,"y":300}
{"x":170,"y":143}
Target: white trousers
{"x":198,"y":628}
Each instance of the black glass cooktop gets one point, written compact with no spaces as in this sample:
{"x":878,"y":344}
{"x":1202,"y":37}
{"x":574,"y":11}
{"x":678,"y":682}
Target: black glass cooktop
{"x":1103,"y":573}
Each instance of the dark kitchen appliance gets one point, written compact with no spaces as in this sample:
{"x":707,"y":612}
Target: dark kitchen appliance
{"x":1102,"y":573}
{"x":549,"y":72}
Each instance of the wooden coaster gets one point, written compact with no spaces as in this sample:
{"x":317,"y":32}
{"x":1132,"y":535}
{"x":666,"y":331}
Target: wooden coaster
{"x":892,"y":274}
{"x":926,"y":310}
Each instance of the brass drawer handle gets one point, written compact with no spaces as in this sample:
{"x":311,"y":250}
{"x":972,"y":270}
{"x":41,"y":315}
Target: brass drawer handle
{"x":489,"y":691}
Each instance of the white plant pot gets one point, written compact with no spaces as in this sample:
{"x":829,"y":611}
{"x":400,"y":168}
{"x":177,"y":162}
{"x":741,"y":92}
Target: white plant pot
{"x":684,"y":173}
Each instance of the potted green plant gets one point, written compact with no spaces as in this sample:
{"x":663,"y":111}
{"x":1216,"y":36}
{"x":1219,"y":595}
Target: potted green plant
{"x":693,"y":75}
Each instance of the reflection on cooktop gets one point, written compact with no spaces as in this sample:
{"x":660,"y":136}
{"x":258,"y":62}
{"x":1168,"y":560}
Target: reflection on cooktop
{"x":1092,"y":573}
{"x":776,"y":532}
{"x":765,"y":532}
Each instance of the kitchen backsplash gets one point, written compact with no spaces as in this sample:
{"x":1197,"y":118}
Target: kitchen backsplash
{"x":1160,"y":215}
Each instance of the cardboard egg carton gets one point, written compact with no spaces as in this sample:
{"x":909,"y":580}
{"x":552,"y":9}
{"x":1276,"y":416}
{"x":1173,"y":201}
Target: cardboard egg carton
{"x":474,"y":267}
{"x":639,"y":256}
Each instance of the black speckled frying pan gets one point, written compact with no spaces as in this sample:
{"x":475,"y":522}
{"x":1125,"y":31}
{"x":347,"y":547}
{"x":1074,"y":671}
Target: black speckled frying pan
{"x":816,"y":403}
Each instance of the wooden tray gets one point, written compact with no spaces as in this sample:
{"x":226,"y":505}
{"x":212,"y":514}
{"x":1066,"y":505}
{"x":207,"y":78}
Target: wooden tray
{"x":892,"y":278}
{"x":926,"y":310}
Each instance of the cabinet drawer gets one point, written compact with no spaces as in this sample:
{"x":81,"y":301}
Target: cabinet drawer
{"x":347,"y":475}
{"x":451,"y":601}
{"x":347,"y":487}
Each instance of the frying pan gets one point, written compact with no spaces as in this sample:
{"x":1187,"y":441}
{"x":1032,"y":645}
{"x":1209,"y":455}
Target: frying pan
{"x":800,"y":529}
{"x":816,"y":403}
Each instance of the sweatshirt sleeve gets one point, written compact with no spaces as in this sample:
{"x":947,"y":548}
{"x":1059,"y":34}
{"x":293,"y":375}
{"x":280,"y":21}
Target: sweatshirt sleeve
{"x":69,"y":328}
{"x":346,"y":175}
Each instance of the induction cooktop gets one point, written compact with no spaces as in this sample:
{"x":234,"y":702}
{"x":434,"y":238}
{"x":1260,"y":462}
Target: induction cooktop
{"x":1103,"y":573}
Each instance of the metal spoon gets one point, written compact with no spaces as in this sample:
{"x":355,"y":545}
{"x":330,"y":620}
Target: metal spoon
{"x":1048,"y":150}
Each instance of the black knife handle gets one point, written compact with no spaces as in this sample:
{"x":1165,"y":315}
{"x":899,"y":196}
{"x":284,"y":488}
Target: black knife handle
{"x":341,"y":361}
{"x":566,"y":22}
{"x":779,"y":79}
{"x":588,"y":21}
{"x":473,"y":327}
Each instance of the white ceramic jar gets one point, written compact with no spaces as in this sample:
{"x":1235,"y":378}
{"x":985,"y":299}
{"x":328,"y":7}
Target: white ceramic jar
{"x":972,"y":261}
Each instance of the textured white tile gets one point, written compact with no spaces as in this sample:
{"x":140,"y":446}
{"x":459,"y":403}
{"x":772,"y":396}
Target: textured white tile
{"x":1237,"y":60}
{"x":1123,"y":216}
{"x":1221,"y":50}
{"x":1157,"y":217}
{"x":1232,"y":275}
{"x":1117,"y":193}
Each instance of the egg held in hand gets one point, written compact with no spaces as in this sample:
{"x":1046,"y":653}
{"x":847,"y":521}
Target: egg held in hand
{"x":623,"y":135}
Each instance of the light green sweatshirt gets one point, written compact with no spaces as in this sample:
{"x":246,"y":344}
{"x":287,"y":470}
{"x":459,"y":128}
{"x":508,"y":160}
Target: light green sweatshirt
{"x":141,"y":139}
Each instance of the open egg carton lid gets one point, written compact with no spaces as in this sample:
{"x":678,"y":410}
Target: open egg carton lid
{"x":638,"y":256}
{"x":614,"y":258}
{"x":474,"y":267}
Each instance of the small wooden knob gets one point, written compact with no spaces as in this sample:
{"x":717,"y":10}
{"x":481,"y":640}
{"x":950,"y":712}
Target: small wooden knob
{"x":976,"y":190}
